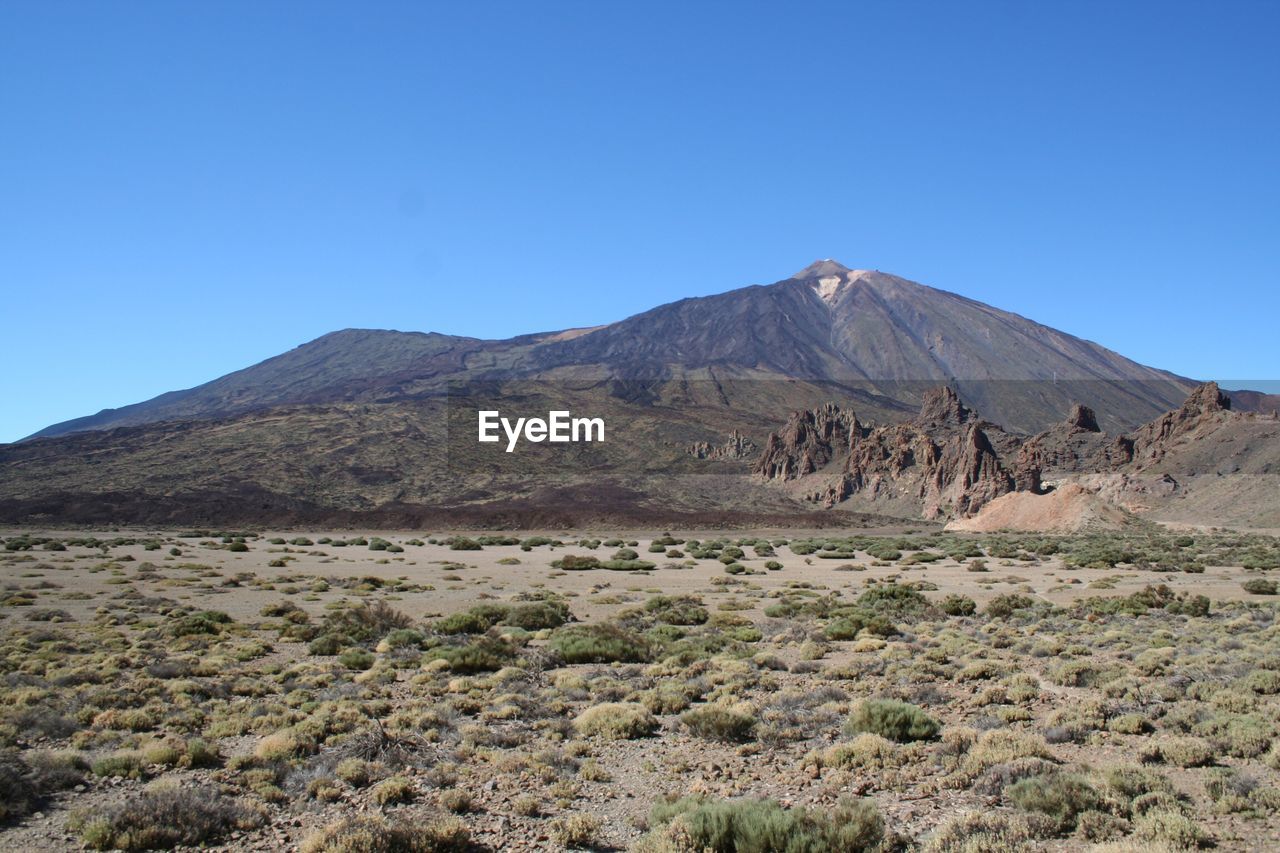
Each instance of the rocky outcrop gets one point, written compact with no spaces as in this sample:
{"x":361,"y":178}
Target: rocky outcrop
{"x":946,"y":457}
{"x":1202,"y":410}
{"x":1072,"y":446}
{"x":949,"y":462}
{"x":808,"y":441}
{"x":736,"y":446}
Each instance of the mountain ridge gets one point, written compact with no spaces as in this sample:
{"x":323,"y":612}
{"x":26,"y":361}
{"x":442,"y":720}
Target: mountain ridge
{"x":825,"y":323}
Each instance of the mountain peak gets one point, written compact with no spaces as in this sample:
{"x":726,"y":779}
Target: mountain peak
{"x":823,"y":268}
{"x":830,"y":278}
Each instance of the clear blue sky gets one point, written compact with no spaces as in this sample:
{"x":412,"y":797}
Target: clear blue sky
{"x":188,"y":188}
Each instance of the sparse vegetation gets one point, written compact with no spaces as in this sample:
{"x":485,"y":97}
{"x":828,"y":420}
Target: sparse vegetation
{"x":431,"y":699}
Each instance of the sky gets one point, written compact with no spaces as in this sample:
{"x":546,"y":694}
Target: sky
{"x":189,"y":188}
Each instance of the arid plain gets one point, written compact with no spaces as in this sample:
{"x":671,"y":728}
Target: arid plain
{"x":653,"y":690}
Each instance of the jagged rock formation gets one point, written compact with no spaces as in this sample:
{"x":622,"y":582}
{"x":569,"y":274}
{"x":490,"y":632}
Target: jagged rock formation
{"x":1202,"y":409}
{"x":1074,"y":445}
{"x":951,"y":463}
{"x":736,"y":446}
{"x":946,"y":457}
{"x":808,"y":442}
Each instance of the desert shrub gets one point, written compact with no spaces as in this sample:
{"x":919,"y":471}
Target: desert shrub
{"x":575,"y":830}
{"x":1004,"y":606}
{"x":17,"y":795}
{"x":739,"y":826}
{"x":537,"y":615}
{"x":988,"y":832}
{"x":851,"y":622}
{"x":600,"y":643}
{"x":677,"y":610}
{"x":1259,"y":586}
{"x":378,"y":835}
{"x":1002,"y":746}
{"x":466,"y":622}
{"x":127,"y":764}
{"x":716,"y":722}
{"x":958,"y":605}
{"x":458,"y":801}
{"x":1169,"y":828}
{"x":484,"y":654}
{"x":326,"y":645}
{"x":1263,"y":681}
{"x":1129,"y":724}
{"x":1061,"y":796}
{"x":576,"y":562}
{"x":366,"y":623}
{"x":868,"y":752}
{"x":356,"y":658}
{"x":892,"y":719}
{"x":1184,"y":751}
{"x":893,"y":600}
{"x":996,"y":779}
{"x":356,"y":772}
{"x":617,"y":721}
{"x":462,"y":543}
{"x":164,"y":817}
{"x":204,"y":622}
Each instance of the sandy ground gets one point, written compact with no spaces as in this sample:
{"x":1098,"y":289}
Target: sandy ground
{"x":442,"y":581}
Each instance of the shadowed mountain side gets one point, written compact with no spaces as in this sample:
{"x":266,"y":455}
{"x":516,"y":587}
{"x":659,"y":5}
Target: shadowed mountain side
{"x":416,"y":459}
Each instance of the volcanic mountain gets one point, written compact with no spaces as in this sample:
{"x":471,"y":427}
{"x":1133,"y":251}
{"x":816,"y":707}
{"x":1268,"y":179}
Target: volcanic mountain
{"x":379,"y":426}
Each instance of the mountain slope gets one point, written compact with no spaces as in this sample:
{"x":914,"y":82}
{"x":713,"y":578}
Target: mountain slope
{"x":338,"y":366}
{"x":875,"y":335}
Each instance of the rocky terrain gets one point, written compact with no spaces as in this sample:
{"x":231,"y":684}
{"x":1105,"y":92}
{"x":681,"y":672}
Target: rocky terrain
{"x":956,"y":404}
{"x":949,"y":463}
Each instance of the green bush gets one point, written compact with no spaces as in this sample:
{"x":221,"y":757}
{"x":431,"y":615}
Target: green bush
{"x":715,"y":722}
{"x":598,"y":644}
{"x":1259,"y":586}
{"x":1061,"y":796}
{"x":485,"y":654}
{"x":466,"y":622}
{"x":762,"y":826}
{"x":327,"y":645}
{"x":536,"y":615}
{"x":677,"y":610}
{"x":356,"y":658}
{"x":617,"y":721}
{"x":892,"y":719}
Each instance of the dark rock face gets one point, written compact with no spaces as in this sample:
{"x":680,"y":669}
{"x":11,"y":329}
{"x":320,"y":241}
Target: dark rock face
{"x":1205,"y":405}
{"x":953,"y":463}
{"x":1083,"y":418}
{"x":807,"y":442}
{"x":946,"y":457}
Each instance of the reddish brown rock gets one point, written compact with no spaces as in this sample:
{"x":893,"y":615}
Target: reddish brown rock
{"x":807,"y":443}
{"x":946,"y":457}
